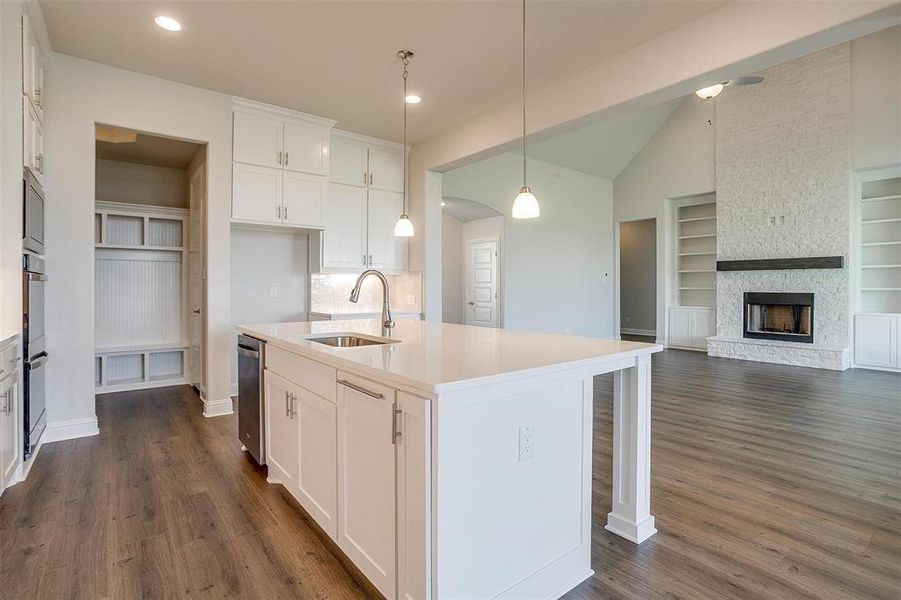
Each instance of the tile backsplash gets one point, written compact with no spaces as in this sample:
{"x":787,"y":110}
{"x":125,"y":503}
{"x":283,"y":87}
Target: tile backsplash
{"x":329,"y":293}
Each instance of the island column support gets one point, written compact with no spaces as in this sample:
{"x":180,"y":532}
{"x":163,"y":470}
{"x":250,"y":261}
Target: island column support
{"x":631,"y":515}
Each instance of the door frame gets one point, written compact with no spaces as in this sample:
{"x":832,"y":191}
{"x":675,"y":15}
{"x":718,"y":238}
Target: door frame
{"x":498,"y":239}
{"x":617,"y":270}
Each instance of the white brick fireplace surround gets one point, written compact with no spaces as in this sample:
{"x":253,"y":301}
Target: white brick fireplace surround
{"x":784,"y":187}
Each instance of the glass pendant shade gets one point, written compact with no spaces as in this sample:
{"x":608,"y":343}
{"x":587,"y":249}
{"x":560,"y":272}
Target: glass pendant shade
{"x":403,"y":227}
{"x":525,"y":206}
{"x":710,"y":92}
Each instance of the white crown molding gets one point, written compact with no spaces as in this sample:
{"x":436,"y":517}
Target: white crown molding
{"x":245,"y":104}
{"x":126,"y":208}
{"x":359,"y":138}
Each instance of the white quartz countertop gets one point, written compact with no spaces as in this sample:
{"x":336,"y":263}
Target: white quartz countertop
{"x":440,"y":357}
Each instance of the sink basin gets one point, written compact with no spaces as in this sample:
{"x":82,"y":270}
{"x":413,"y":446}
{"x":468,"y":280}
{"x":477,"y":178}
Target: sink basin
{"x":349,"y":341}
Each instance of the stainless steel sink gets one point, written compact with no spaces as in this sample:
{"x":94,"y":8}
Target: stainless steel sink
{"x":349,"y":341}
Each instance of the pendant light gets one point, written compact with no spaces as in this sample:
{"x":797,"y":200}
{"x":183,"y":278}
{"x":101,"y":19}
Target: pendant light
{"x":525,"y":206}
{"x":404,"y":226}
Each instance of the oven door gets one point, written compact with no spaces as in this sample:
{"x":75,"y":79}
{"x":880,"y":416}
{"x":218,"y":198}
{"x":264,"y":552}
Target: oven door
{"x":35,"y":402}
{"x":34,"y":316}
{"x":33,"y":234}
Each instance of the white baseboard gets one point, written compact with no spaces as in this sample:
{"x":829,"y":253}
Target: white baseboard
{"x":70,"y":430}
{"x":217,"y":408}
{"x":647,"y":332}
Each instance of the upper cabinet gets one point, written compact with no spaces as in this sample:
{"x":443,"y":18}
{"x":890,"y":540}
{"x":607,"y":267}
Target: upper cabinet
{"x":281,"y":165}
{"x":32,"y":101}
{"x":363,"y":162}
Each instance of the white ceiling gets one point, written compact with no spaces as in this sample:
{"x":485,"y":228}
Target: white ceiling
{"x":465,"y":210}
{"x":604,"y":148}
{"x":338,"y":59}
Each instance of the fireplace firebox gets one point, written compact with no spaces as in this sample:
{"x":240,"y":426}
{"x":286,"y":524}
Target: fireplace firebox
{"x":779,"y":316}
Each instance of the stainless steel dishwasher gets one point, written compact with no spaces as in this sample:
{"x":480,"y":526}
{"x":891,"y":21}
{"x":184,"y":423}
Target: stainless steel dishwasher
{"x":251,"y":360}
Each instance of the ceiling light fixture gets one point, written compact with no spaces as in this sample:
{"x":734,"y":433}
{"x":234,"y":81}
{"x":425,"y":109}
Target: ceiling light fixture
{"x":525,"y":205}
{"x":167,"y":23}
{"x":710,"y":92}
{"x":404,"y":226}
{"x":413,"y":99}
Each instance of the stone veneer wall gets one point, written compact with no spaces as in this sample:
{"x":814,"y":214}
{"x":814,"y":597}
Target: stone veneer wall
{"x":783,"y":185}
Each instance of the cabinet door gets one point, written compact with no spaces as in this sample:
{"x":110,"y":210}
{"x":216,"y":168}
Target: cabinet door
{"x":257,"y":140}
{"x":876,"y":341}
{"x":306,"y":149}
{"x":386,"y":169}
{"x":680,"y":327}
{"x":344,"y":238}
{"x":386,"y":251}
{"x":281,"y":430}
{"x":33,"y":142}
{"x":302,"y":199}
{"x":366,"y":480}
{"x":703,"y":326}
{"x":8,"y":446}
{"x":413,"y":497}
{"x":256,"y":193}
{"x":347,"y":163}
{"x":317,"y":482}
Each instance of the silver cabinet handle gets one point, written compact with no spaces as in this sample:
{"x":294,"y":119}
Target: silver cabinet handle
{"x":395,"y":425}
{"x":285,"y":211}
{"x":286,"y":159}
{"x":370,"y":179}
{"x":364,"y":260}
{"x":362,"y":390}
{"x":279,"y":158}
{"x":293,"y":406}
{"x":287,"y":409}
{"x":365,"y":178}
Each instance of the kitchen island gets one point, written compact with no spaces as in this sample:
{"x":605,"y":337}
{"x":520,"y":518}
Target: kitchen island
{"x":455,"y":461}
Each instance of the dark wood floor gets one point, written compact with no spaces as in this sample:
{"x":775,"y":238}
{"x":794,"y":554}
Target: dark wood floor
{"x":768,"y":482}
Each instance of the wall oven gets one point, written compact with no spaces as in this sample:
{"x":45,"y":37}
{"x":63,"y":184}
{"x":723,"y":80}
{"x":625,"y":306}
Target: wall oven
{"x":34,"y":351}
{"x":33,"y":230}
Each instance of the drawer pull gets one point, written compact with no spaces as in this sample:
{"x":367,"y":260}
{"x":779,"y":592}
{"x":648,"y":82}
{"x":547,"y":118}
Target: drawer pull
{"x":362,"y":390}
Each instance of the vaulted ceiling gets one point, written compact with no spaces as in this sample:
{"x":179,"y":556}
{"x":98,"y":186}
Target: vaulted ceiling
{"x":338,"y":59}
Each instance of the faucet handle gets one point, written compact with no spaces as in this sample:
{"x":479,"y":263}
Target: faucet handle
{"x":389,"y":324}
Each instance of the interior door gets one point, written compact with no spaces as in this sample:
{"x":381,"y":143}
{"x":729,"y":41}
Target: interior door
{"x":282,"y":431}
{"x":317,"y":479}
{"x":257,"y":140}
{"x":347,"y":163}
{"x":306,"y":149}
{"x":386,"y":170}
{"x":302,"y":199}
{"x":257,"y":193}
{"x":481,"y":283}
{"x":366,"y":480}
{"x":386,"y":251}
{"x":195,"y":273}
{"x":344,"y":240}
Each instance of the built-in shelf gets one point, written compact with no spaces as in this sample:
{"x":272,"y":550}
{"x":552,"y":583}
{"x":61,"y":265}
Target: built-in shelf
{"x":881,"y":198}
{"x":874,"y":221}
{"x":695,"y":240}
{"x":133,"y":247}
{"x":879,"y":236}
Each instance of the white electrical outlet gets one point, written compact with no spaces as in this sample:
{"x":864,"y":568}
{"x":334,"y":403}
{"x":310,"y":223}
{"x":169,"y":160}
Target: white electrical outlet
{"x":526,"y":443}
{"x":273,"y":291}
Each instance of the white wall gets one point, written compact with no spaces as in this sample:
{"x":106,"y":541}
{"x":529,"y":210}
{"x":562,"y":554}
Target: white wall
{"x":876,"y":99}
{"x":79,"y":94}
{"x":10,"y":169}
{"x":118,"y":181}
{"x":554,"y":267}
{"x":452,"y":273}
{"x":677,"y":162}
{"x":638,"y":275}
{"x":262,"y":259}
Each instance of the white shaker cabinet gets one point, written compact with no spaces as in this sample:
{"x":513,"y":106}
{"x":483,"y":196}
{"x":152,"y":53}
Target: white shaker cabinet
{"x":9,"y":440}
{"x":367,"y":479}
{"x":33,"y":142}
{"x":344,"y":246}
{"x":876,"y":341}
{"x":281,"y":429}
{"x":317,"y":480}
{"x":32,"y":69}
{"x":690,"y":326}
{"x":386,"y":170}
{"x":348,"y":163}
{"x":386,"y":251}
{"x":280,"y":166}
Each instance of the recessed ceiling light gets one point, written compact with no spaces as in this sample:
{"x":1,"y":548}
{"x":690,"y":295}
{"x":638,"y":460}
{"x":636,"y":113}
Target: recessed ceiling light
{"x":443,"y":203}
{"x":168,"y":23}
{"x":412,"y":99}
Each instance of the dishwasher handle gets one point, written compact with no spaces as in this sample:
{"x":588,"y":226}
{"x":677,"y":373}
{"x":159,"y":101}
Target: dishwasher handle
{"x":248,"y":352}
